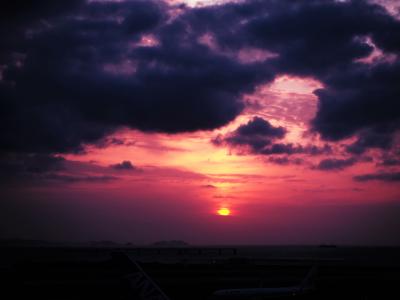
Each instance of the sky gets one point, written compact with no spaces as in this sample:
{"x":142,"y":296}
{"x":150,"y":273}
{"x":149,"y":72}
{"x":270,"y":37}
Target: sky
{"x":213,"y":122}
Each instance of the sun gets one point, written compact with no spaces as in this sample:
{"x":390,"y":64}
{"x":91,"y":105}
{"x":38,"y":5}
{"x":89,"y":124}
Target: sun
{"x":223,"y":211}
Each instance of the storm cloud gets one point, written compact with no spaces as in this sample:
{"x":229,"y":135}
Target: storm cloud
{"x":74,"y":80}
{"x":258,"y":136}
{"x":72,"y":73}
{"x":335,"y":164}
{"x":125,"y":165}
{"x":383,"y":176}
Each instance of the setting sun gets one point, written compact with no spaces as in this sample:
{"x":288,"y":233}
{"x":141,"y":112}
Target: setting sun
{"x":223,"y":211}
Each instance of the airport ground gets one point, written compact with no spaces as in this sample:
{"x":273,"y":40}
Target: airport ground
{"x":194,"y":273}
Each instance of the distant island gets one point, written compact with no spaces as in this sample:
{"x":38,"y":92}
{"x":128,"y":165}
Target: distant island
{"x":327,"y":246}
{"x":172,"y":243}
{"x":104,"y":244}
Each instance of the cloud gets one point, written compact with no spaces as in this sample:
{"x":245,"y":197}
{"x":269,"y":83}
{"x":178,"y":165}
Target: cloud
{"x":19,"y":15}
{"x":75,"y":179}
{"x":72,"y":73}
{"x":42,"y":168}
{"x":22,"y":165}
{"x":360,"y":100}
{"x":388,"y":177}
{"x":324,"y":40}
{"x":281,"y":148}
{"x":143,"y":16}
{"x":60,"y":95}
{"x":333,"y":164}
{"x":255,"y":134}
{"x":371,"y":139}
{"x":125,"y":165}
{"x":284,"y":160}
{"x":208,"y":186}
{"x":259,"y":126}
{"x":258,"y":136}
{"x":112,"y":141}
{"x":390,"y":161}
{"x":356,"y":97}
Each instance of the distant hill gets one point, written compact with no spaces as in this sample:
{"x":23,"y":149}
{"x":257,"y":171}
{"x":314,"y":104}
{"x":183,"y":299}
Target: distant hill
{"x":172,"y":243}
{"x":104,"y":244}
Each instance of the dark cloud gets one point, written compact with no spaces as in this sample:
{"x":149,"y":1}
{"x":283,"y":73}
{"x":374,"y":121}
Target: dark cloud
{"x":28,"y":10}
{"x":281,"y":148}
{"x":390,"y":161}
{"x":324,"y":39}
{"x":255,"y":134}
{"x":42,"y":168}
{"x":20,"y":16}
{"x":259,"y":126}
{"x":313,"y":36}
{"x":291,"y":149}
{"x":258,"y":136}
{"x":72,"y":72}
{"x":361,"y":100}
{"x":316,"y":150}
{"x":74,"y":179}
{"x":125,"y":165}
{"x":371,"y":139}
{"x":208,"y":186}
{"x":111,"y":141}
{"x":284,"y":160}
{"x":145,"y":15}
{"x":79,"y":79}
{"x":333,"y":164}
{"x":25,"y":165}
{"x":388,"y":177}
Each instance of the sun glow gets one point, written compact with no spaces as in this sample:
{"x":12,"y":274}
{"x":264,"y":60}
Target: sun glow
{"x":223,"y":211}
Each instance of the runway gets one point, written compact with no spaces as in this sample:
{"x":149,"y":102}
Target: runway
{"x":91,"y":273}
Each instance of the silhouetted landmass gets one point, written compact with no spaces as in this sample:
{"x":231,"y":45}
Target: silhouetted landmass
{"x":327,"y":246}
{"x":172,"y":243}
{"x":104,"y":244}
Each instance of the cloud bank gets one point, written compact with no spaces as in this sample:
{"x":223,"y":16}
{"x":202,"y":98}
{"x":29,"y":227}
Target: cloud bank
{"x":73,"y":73}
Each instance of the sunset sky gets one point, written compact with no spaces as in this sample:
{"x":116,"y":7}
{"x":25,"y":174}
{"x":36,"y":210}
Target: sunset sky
{"x":213,"y":122}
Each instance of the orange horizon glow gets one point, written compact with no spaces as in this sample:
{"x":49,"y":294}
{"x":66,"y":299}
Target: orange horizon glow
{"x":220,"y":175}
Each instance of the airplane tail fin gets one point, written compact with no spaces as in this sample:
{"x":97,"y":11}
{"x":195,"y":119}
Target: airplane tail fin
{"x":143,"y":286}
{"x":308,"y":282}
